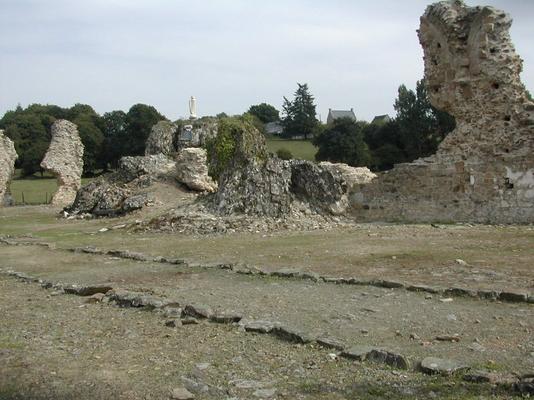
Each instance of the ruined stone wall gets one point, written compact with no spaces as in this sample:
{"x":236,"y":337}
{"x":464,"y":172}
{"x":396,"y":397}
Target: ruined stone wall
{"x":64,"y":159}
{"x":484,"y":170}
{"x":8,"y":156}
{"x":161,"y":139}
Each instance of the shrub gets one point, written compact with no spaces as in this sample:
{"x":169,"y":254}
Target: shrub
{"x":284,"y":154}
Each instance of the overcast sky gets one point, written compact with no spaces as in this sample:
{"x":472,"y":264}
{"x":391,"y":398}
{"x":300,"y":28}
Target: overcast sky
{"x":230,"y":54}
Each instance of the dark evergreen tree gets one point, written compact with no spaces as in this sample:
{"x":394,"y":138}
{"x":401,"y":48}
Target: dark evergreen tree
{"x":300,"y":115}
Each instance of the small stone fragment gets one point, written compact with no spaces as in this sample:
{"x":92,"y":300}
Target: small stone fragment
{"x":260,"y":326}
{"x":189,"y":321}
{"x":358,"y":353}
{"x":330,"y":343}
{"x":226,"y":317}
{"x":432,"y":365}
{"x":292,"y":335}
{"x":198,"y":311}
{"x":173,"y":323}
{"x":448,"y":338}
{"x":95,"y":298}
{"x":264,"y":393}
{"x":182,"y":394}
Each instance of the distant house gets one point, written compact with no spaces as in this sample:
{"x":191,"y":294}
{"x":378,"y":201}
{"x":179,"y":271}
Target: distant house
{"x":274,"y":128}
{"x":381,"y":119}
{"x":337,"y":114}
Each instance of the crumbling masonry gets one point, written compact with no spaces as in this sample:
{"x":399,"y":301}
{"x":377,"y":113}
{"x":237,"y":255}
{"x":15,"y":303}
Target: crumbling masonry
{"x":64,"y":159}
{"x":484,"y":170}
{"x":8,"y":156}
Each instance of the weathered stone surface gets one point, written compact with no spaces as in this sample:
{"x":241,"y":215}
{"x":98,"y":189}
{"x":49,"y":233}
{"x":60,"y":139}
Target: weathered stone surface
{"x":182,"y":394}
{"x":358,"y":353}
{"x":260,"y":326}
{"x":64,"y":159}
{"x":8,"y":156}
{"x":124,"y":298}
{"x":352,"y":176}
{"x":222,"y":317}
{"x":161,"y":139}
{"x":124,"y":190}
{"x":513,"y":297}
{"x":198,"y":311}
{"x":104,"y":198}
{"x":484,"y":170}
{"x":192,"y":170}
{"x":256,"y":188}
{"x":323,"y":188}
{"x":154,"y":166}
{"x":291,"y":334}
{"x":86,"y":290}
{"x":330,"y":343}
{"x":389,"y":358}
{"x":432,"y":365}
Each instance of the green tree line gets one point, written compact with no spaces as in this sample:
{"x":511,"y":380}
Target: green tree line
{"x":106,"y":137}
{"x":415,"y":131}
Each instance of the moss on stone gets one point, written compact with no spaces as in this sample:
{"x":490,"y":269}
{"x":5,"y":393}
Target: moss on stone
{"x":237,"y":143}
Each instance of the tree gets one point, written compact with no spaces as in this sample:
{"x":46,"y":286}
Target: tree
{"x":386,"y":145}
{"x":139,"y":122}
{"x":299,"y":114}
{"x":529,"y":96}
{"x":114,"y":129}
{"x":264,"y":112}
{"x":343,"y":142}
{"x":422,"y":127}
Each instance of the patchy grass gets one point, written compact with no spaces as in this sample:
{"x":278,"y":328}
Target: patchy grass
{"x":301,"y":149}
{"x":35,"y":190}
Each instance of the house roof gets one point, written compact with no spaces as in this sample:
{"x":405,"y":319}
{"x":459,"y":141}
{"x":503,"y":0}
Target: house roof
{"x":336,"y":114}
{"x":380,"y":119}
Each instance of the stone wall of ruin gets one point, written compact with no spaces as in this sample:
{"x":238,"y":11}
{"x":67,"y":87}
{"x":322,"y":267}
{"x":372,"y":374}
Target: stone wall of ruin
{"x":484,"y":170}
{"x":8,"y":156}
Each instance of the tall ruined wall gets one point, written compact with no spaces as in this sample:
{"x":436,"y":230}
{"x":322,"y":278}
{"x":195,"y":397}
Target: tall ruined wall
{"x":484,"y":170}
{"x":8,"y":156}
{"x":64,"y":159}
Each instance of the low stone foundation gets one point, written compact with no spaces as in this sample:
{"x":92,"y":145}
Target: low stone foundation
{"x":438,"y":192}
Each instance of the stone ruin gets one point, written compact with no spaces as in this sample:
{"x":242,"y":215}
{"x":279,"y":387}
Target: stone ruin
{"x":8,"y":156}
{"x":161,"y":139}
{"x":192,"y":170}
{"x":484,"y":170}
{"x":253,"y":183}
{"x":124,"y":190}
{"x":168,"y":138}
{"x":64,"y":159}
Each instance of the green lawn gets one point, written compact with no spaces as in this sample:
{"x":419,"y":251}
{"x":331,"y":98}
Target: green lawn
{"x":35,"y":189}
{"x":301,"y":149}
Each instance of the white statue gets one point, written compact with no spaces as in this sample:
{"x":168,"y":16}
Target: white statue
{"x":193,"y":108}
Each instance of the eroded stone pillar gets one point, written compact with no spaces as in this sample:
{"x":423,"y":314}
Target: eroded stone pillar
{"x":8,"y":156}
{"x":64,"y":159}
{"x":473,"y":72}
{"x":483,"y":171}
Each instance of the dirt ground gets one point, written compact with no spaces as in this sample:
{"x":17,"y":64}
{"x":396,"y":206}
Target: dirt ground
{"x":57,"y":346}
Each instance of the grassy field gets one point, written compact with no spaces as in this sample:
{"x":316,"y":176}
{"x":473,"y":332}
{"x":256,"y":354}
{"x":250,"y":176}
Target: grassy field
{"x":35,"y":189}
{"x":301,"y":149}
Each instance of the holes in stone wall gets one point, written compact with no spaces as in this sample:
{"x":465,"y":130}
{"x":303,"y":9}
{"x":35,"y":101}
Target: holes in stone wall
{"x":493,"y":50}
{"x":495,"y":85}
{"x":507,"y":184}
{"x":507,"y":118}
{"x":438,"y":45}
